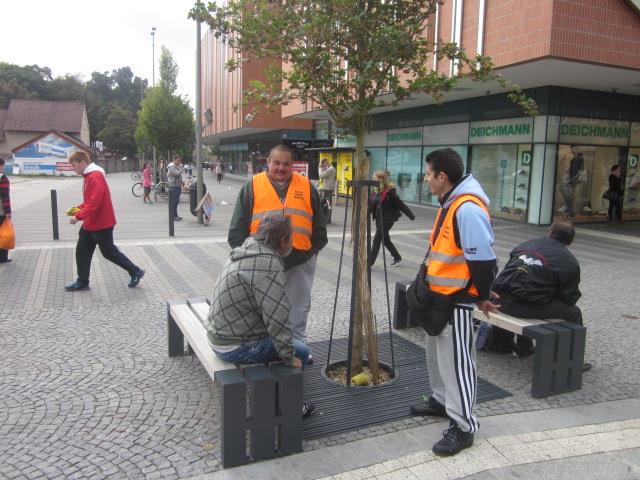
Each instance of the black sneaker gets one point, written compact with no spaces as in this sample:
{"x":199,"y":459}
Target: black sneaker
{"x":177,"y":219}
{"x":136,"y":277}
{"x":430,"y":407}
{"x":395,"y":262}
{"x":308,"y":409}
{"x":453,"y":440}
{"x":310,"y":360}
{"x":75,"y":286}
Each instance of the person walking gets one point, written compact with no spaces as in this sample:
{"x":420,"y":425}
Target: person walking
{"x":219,"y":173}
{"x":281,"y":190}
{"x":461,"y":265}
{"x":327,"y":184}
{"x":98,"y":219}
{"x":5,"y":207}
{"x":174,"y":179}
{"x":248,"y":321}
{"x":386,"y":207}
{"x":615,"y":193}
{"x":147,"y":182}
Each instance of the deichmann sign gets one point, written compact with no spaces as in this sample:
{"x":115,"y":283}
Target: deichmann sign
{"x":594,"y":132}
{"x":409,"y":136}
{"x":515,"y":130}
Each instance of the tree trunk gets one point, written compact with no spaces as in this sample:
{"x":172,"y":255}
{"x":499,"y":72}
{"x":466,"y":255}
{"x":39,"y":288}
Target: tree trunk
{"x":364,"y":321}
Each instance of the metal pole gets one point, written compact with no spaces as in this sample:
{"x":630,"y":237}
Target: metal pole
{"x":54,"y":214}
{"x":354,"y":283}
{"x":199,"y":175}
{"x":153,"y":84}
{"x":172,"y":198}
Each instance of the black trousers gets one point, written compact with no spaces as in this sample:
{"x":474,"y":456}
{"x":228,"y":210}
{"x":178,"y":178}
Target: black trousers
{"x":4,"y":254}
{"x":87,"y":242}
{"x":615,"y":206}
{"x":513,"y":306}
{"x":377,"y":240}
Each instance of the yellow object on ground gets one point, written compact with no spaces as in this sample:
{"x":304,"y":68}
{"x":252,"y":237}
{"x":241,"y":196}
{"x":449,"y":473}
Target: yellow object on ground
{"x":360,"y":380}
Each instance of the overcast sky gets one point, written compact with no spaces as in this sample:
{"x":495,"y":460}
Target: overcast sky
{"x":82,"y":36}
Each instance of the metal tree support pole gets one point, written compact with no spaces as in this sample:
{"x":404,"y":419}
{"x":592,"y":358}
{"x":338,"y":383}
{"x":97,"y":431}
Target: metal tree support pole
{"x":356,"y":194}
{"x":54,"y":214}
{"x":386,"y":286}
{"x":335,"y":299}
{"x":199,"y":175}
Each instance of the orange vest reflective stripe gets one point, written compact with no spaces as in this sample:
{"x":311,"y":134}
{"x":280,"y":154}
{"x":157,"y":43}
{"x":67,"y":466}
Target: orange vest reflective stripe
{"x":447,"y":269}
{"x":297,"y":206}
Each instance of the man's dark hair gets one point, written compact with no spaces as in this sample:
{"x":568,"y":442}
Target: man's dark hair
{"x":615,"y":167}
{"x":283,"y":148}
{"x":1,"y":161}
{"x":446,"y":160}
{"x":273,"y":229}
{"x":563,"y":232}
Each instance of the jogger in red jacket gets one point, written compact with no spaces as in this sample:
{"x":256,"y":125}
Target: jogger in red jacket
{"x":96,"y":213}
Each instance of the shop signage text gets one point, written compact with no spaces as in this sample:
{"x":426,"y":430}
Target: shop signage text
{"x":574,"y":130}
{"x":404,"y":136}
{"x":501,"y":130}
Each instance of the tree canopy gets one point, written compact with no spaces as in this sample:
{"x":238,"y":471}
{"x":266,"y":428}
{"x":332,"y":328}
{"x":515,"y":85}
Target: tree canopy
{"x":168,"y":71}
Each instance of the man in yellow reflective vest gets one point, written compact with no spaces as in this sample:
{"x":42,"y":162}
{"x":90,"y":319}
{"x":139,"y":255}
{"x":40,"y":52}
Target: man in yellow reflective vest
{"x":280,"y":190}
{"x":460,"y":264}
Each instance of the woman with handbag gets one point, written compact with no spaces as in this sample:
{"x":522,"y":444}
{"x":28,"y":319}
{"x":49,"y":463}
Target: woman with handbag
{"x":5,"y":207}
{"x":386,"y":208}
{"x":615,"y":194}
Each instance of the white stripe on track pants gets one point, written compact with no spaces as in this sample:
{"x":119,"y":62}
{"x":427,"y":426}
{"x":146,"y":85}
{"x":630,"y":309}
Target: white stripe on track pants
{"x":451,"y":363}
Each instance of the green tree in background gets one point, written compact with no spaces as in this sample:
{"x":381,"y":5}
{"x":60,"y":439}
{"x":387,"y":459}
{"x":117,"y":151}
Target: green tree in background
{"x":348,"y":57}
{"x":119,"y":130}
{"x":168,"y":71}
{"x":30,"y":82}
{"x":166,"y":121}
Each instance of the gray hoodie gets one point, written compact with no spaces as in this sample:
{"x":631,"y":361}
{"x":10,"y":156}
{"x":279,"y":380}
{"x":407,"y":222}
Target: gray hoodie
{"x":250,"y":301}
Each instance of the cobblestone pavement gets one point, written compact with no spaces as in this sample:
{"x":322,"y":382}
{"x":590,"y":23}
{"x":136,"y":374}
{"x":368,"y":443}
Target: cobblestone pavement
{"x":87,"y":389}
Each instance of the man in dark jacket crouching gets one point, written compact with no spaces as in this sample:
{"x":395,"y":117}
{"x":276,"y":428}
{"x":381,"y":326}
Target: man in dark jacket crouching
{"x":540,"y":281}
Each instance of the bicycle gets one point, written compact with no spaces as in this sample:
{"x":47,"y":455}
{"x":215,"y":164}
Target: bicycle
{"x":137,"y":189}
{"x":185,"y":189}
{"x":136,"y":176}
{"x":160,"y":190}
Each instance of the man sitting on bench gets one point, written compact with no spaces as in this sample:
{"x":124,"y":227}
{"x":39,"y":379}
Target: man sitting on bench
{"x":249,"y":317}
{"x":539,"y":281}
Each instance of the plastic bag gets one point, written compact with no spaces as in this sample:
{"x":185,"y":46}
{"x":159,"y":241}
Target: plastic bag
{"x":7,"y":235}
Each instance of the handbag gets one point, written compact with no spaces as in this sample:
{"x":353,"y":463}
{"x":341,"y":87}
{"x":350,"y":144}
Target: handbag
{"x":432,"y":310}
{"x":7,"y":235}
{"x":610,"y":195}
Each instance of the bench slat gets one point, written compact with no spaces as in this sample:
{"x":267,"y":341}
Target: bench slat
{"x":512,"y":324}
{"x":201,"y":309}
{"x":196,"y":336}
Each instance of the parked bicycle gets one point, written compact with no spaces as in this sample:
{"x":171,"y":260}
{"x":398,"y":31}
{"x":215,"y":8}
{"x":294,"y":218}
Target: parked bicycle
{"x":160,"y":190}
{"x":136,"y":176}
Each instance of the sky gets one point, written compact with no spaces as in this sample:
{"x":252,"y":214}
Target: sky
{"x":83,"y":36}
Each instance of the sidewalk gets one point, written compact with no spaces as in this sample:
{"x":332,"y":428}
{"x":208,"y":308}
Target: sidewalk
{"x":87,"y":389}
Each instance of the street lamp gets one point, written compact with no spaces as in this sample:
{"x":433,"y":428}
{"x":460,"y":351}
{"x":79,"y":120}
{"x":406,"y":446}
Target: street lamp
{"x":153,"y":54}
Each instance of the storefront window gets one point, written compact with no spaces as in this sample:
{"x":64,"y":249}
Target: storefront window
{"x":426,"y":198}
{"x":403,"y":163}
{"x":377,"y":159}
{"x":582,"y":176}
{"x":504,"y":171}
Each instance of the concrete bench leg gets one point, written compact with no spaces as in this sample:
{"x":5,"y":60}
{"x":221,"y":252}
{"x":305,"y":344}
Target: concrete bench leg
{"x":177,"y":346}
{"x":402,"y":317}
{"x":233,"y":417}
{"x":558,"y":359}
{"x":289,"y":408}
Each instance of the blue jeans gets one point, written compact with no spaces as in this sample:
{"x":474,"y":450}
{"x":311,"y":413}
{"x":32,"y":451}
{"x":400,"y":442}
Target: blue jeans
{"x":262,"y":351}
{"x":175,"y":191}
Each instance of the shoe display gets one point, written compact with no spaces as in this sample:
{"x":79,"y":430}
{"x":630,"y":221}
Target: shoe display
{"x":521,"y":199}
{"x":453,"y":441}
{"x":75,"y":286}
{"x":431,"y":407}
{"x":522,"y":172}
{"x":136,"y":277}
{"x":308,"y":409}
{"x":522,"y":185}
{"x":395,"y":262}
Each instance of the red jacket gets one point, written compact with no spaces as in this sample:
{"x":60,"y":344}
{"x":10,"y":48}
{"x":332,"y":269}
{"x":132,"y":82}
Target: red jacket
{"x":96,"y":211}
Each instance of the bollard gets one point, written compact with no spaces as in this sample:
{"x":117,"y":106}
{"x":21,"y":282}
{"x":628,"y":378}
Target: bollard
{"x":172,"y":199}
{"x":54,"y":214}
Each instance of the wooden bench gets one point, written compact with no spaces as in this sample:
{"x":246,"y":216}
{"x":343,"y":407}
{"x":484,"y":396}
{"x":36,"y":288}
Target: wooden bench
{"x":559,"y":350}
{"x":271,"y":424}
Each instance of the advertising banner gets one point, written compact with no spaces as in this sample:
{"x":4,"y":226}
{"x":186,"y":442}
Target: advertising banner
{"x":46,"y":156}
{"x":302,"y":168}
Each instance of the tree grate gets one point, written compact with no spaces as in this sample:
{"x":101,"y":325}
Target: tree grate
{"x":340,"y":409}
